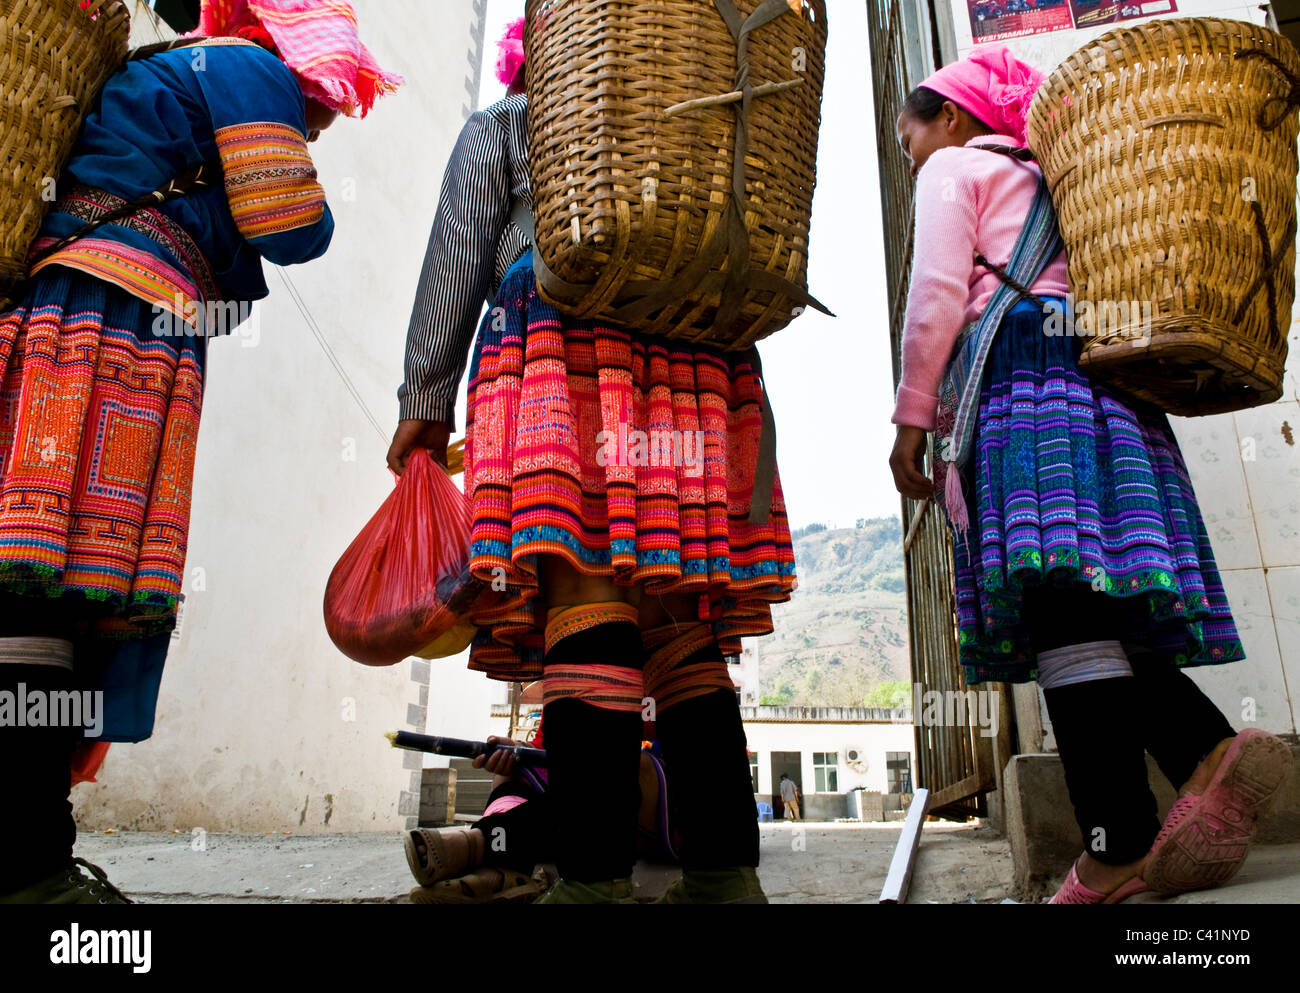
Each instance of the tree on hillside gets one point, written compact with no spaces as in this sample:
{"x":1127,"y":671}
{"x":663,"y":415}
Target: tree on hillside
{"x":809,"y":529}
{"x":890,"y":694}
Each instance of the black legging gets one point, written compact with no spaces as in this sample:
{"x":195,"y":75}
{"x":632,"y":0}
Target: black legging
{"x":593,"y":757}
{"x":524,"y":835}
{"x":37,"y":831}
{"x":711,"y":792}
{"x":1104,"y":727}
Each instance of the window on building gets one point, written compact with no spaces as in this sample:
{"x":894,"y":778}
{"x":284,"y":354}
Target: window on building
{"x":899,"y":768}
{"x":826,"y":772}
{"x":753,"y":769}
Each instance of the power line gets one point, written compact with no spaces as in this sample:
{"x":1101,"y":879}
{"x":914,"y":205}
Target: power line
{"x":330,"y":353}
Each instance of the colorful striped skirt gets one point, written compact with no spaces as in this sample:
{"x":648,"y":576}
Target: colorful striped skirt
{"x":1070,"y":484}
{"x":630,"y":457}
{"x":99,"y":417}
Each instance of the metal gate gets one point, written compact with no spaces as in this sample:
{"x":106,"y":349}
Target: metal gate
{"x":955,"y":763}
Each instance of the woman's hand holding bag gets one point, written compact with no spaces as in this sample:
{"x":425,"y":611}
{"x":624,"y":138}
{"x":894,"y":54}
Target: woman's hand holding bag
{"x":403,"y":586}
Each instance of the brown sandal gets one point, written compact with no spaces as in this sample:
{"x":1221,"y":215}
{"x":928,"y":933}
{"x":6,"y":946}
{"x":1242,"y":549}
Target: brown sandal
{"x":438,"y":863}
{"x":488,"y":885}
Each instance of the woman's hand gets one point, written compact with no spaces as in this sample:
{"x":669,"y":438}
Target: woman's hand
{"x":501,"y":762}
{"x":413,"y":434}
{"x":907,"y":461}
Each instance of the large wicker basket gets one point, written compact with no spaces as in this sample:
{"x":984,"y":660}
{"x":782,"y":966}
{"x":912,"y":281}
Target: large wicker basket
{"x":54,"y":57}
{"x":1170,"y":149}
{"x":646,"y":215}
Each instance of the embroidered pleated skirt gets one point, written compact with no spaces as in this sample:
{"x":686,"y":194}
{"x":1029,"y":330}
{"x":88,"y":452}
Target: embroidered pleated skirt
{"x":99,"y":419}
{"x":630,"y":457}
{"x":1072,"y":484}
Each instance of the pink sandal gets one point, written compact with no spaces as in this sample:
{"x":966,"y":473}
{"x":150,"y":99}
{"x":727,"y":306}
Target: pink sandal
{"x":1206,"y":837}
{"x":1073,"y":891}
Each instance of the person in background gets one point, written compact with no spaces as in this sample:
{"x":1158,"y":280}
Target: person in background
{"x":790,"y":798}
{"x":102,"y":369}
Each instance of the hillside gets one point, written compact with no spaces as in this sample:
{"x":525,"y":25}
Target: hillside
{"x":844,"y":631}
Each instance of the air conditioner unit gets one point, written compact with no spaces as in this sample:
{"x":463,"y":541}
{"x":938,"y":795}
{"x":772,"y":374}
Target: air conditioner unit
{"x":855,"y":757}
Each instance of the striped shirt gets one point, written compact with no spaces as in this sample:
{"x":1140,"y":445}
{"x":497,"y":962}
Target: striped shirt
{"x":472,"y":244}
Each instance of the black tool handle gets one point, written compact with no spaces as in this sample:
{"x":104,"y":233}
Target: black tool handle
{"x":461,"y":748}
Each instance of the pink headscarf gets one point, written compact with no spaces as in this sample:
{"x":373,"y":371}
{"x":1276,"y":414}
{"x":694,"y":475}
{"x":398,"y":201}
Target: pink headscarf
{"x":317,"y":39}
{"x":993,"y":85}
{"x":511,"y":58}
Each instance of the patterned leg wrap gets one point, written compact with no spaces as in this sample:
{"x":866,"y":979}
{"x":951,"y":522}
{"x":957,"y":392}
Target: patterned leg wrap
{"x":683,"y":662}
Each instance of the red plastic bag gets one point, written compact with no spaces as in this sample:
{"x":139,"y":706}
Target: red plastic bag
{"x":403,"y":586}
{"x":87,"y":757}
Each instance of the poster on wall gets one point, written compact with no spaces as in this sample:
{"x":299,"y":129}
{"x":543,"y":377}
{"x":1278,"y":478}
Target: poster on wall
{"x":1088,"y":13}
{"x":996,"y":20}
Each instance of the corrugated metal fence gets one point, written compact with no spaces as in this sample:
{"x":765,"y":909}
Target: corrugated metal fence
{"x":954,"y":763}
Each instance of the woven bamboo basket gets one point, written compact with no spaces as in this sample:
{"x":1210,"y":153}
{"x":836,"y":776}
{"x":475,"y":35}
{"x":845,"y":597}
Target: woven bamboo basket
{"x":54,"y":58}
{"x":1170,"y":149}
{"x":646,"y":216}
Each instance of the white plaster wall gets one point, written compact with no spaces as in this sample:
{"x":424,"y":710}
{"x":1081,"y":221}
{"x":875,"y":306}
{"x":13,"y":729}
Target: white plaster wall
{"x":766,"y":737}
{"x":1246,"y":469}
{"x":872,"y":740}
{"x":263,"y":725}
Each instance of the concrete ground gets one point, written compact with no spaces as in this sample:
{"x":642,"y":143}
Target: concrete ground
{"x":801,"y":863}
{"x":1270,"y":875}
{"x":813,"y":862}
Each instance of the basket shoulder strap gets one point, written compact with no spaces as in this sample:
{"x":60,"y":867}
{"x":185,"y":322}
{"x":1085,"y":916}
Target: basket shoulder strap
{"x":196,"y":178}
{"x":1043,"y":232}
{"x":1014,"y":151}
{"x":523,"y":218}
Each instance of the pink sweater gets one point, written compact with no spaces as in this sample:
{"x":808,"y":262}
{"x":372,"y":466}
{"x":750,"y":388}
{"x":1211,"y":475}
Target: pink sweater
{"x":966,"y":199}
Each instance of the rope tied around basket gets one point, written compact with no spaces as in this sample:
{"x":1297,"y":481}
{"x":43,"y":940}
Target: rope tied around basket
{"x":1021,"y":155}
{"x":731,"y":236}
{"x":1268,"y":273}
{"x":1270,"y":120}
{"x":1287,"y":103}
{"x":1006,"y":277}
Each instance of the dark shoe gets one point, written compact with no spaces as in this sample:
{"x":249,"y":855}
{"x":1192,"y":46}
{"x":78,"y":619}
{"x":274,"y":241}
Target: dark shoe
{"x":70,"y":885}
{"x":568,"y":892}
{"x":737,"y":885}
{"x":487,"y":885}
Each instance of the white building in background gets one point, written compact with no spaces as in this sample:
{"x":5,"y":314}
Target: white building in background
{"x":744,"y":673}
{"x":262,"y":724}
{"x":829,"y":752}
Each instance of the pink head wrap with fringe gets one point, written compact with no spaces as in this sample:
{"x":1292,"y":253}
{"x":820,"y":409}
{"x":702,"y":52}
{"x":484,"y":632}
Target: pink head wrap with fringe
{"x":511,"y":57}
{"x":993,"y":85}
{"x":317,"y":39}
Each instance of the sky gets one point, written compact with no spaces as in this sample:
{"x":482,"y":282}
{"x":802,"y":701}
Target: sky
{"x":829,"y":378}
